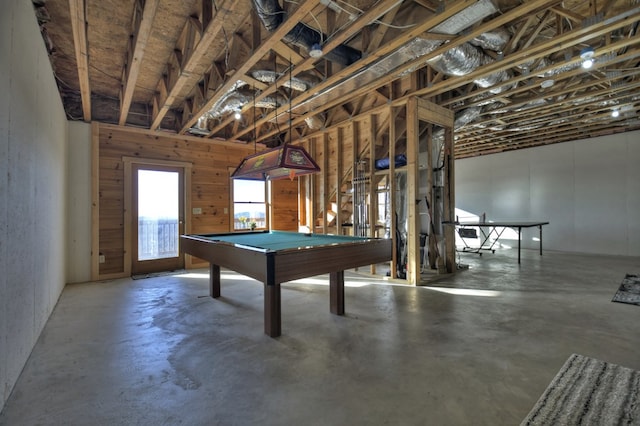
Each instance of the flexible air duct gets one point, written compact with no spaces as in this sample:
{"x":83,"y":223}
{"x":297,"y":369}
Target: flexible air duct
{"x":272,"y":15}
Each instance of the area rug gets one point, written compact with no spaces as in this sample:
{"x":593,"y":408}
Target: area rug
{"x":588,"y":391}
{"x":157,"y":274}
{"x":629,"y":291}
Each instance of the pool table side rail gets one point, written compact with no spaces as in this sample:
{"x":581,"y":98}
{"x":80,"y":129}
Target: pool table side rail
{"x":248,"y":261}
{"x":308,"y":262}
{"x":289,"y":264}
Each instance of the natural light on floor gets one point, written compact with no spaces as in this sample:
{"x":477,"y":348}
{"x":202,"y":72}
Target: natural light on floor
{"x":465,"y":291}
{"x":312,"y":280}
{"x":352,"y":282}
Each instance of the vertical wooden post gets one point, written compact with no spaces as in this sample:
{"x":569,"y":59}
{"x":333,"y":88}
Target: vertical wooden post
{"x":338,"y":180}
{"x":95,"y":201}
{"x":325,"y":183}
{"x":354,"y":159}
{"x":392,"y":191}
{"x":432,"y":242}
{"x":373,"y":218}
{"x":311,"y":194}
{"x":449,"y":200}
{"x":413,"y":231}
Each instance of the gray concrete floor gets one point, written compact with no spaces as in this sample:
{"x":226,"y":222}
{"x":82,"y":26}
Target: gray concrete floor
{"x":477,"y":348}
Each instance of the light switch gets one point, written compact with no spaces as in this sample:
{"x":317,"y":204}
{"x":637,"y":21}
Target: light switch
{"x":226,"y":210}
{"x":197,"y":210}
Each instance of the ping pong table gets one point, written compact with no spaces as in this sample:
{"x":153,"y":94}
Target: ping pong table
{"x":494,"y":229}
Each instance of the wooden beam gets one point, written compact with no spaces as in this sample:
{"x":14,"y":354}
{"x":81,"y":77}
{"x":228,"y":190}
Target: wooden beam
{"x":569,"y":14}
{"x":405,"y":37}
{"x":392,"y":189}
{"x":211,"y":32}
{"x":382,"y":29}
{"x":433,"y":113}
{"x":338,"y":180}
{"x":567,"y":75}
{"x":534,"y":34}
{"x":141,"y":31}
{"x":412,"y":191}
{"x":324,"y":196}
{"x":337,"y":39}
{"x":449,"y":200}
{"x":77,"y":10}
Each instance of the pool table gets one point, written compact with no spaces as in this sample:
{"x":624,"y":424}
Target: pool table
{"x":274,"y":257}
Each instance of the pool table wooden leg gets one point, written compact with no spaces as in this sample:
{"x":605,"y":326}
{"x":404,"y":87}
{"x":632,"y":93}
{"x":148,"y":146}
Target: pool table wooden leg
{"x":272,"y":323}
{"x":336,"y":292}
{"x":214,"y":280}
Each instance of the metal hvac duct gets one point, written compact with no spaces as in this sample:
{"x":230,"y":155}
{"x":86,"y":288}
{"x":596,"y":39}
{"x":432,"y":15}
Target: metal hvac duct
{"x":272,"y":15}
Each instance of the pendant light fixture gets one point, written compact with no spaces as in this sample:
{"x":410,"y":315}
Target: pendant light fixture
{"x":285,"y":161}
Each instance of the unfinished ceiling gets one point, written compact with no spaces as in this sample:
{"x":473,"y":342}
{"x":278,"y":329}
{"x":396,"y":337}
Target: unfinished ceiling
{"x":511,"y":70}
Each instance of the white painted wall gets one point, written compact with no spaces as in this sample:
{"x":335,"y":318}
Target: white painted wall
{"x":33,"y":159}
{"x":589,"y":191}
{"x":79,"y":203}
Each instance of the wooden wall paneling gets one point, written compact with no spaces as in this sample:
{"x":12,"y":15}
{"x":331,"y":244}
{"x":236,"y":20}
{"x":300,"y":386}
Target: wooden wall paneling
{"x":284,"y":205}
{"x":207,"y":185}
{"x":413,"y":231}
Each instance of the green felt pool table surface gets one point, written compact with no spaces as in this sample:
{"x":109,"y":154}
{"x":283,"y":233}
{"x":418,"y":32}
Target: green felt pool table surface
{"x":281,"y":240}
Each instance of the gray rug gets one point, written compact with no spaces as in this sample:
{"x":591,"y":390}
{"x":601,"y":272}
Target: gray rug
{"x":588,"y":391}
{"x":629,"y":291}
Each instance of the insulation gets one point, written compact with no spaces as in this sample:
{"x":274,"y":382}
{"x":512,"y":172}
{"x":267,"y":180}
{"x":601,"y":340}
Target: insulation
{"x":416,"y":48}
{"x":294,"y":83}
{"x":303,"y":36}
{"x":459,"y":60}
{"x":467,"y":17}
{"x":494,"y":40}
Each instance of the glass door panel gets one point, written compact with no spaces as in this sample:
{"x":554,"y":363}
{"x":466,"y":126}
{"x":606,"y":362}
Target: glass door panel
{"x":158,"y":218}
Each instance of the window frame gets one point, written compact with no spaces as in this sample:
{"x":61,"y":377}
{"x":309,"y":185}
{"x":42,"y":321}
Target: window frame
{"x":233,"y":203}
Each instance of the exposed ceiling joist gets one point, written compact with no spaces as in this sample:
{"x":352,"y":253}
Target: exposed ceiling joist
{"x":141,"y":30}
{"x":79,"y":28}
{"x":509,"y":68}
{"x":262,"y":50}
{"x":186,"y":74}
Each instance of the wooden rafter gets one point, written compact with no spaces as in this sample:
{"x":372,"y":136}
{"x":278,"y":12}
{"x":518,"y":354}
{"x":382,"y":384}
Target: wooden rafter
{"x":258,"y":54}
{"x":210,"y":33}
{"x":79,"y":28}
{"x":566,"y":76}
{"x":141,"y":30}
{"x":337,"y":39}
{"x":451,"y":10}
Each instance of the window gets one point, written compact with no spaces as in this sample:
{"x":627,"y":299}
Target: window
{"x":249,"y":204}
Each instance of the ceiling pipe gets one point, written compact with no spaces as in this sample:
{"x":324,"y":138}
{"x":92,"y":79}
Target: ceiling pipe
{"x":302,"y":35}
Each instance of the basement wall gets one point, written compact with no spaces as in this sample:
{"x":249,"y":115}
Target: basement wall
{"x":589,"y":191}
{"x":33,"y":156}
{"x":79,"y":203}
